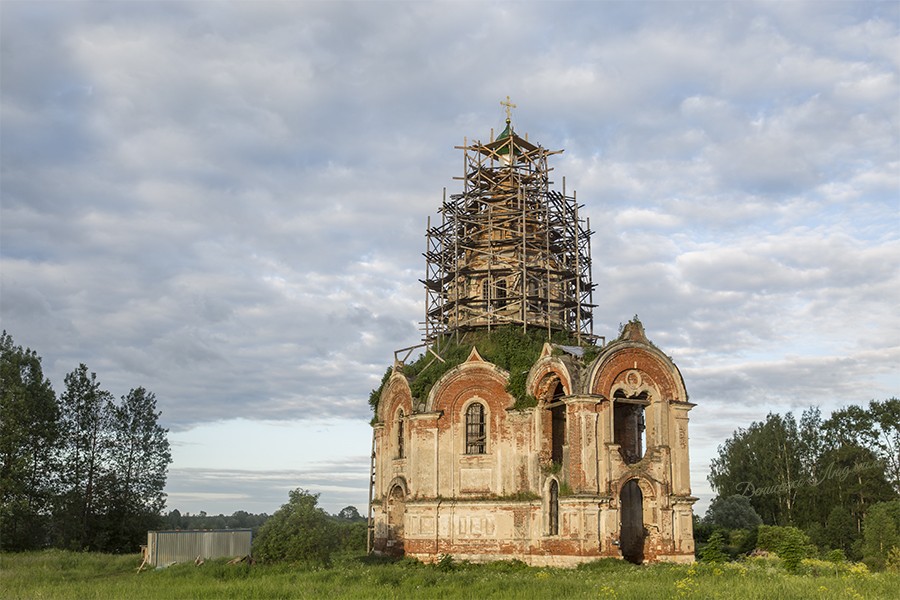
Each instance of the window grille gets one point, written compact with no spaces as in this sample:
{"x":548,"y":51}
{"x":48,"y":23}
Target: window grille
{"x":475,"y":429}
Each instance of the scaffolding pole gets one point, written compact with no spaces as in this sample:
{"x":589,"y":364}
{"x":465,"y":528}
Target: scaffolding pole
{"x":509,"y":250}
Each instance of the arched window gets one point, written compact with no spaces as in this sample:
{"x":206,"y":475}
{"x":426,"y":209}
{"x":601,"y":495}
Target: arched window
{"x":629,"y":430}
{"x":475,"y":429}
{"x":400,"y":449}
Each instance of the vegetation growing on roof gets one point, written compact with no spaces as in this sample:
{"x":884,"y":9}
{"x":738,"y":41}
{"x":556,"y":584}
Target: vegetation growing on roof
{"x":375,"y":395}
{"x":508,"y":347}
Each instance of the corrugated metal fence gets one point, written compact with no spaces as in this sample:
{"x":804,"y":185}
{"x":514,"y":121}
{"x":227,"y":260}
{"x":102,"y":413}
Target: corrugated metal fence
{"x":167,"y":547}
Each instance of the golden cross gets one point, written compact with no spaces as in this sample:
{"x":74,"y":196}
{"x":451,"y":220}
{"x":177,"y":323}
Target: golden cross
{"x":509,"y":105}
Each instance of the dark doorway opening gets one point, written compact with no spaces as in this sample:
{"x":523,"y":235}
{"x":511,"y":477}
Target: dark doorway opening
{"x":628,"y":426}
{"x":631,"y":534}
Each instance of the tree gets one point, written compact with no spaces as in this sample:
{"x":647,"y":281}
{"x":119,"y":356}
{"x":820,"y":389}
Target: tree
{"x":173,"y":520}
{"x":886,"y":416}
{"x":840,"y":530}
{"x":762,"y":462}
{"x":881,"y":533}
{"x":298,"y":532}
{"x":797,"y":474}
{"x":714,"y":550}
{"x":139,"y":459}
{"x":732,"y":512}
{"x":350,"y":513}
{"x":850,"y":476}
{"x":877,"y":427}
{"x":84,"y":452}
{"x":29,"y":432}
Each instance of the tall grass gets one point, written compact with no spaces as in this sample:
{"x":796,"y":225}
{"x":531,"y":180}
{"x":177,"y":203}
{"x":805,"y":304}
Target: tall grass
{"x":59,"y":574}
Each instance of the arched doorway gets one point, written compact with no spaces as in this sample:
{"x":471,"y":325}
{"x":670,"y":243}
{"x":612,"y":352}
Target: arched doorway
{"x":631,"y":532}
{"x":396,"y":514}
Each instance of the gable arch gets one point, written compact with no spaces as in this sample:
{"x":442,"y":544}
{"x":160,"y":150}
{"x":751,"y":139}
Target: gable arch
{"x":655,"y":371}
{"x":396,"y":394}
{"x":543,"y":373}
{"x":475,"y":377}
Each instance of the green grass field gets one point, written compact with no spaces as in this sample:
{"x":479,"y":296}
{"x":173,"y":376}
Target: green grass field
{"x":59,"y":574}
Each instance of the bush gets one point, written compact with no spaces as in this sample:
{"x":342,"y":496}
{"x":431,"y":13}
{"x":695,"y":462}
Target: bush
{"x":892,"y":564}
{"x":790,"y":544}
{"x":824,"y":568}
{"x":836,"y":556}
{"x":714,"y":550}
{"x":742,"y":541}
{"x":298,"y":532}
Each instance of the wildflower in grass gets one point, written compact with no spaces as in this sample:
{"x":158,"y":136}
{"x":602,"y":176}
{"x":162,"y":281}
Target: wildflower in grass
{"x":686,"y":587}
{"x":853,"y":594}
{"x":608,"y":592}
{"x":542,"y":575}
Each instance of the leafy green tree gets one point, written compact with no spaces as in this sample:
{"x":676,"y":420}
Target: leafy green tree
{"x":174,"y":520}
{"x":298,"y":532}
{"x":840,"y":531}
{"x":238,"y":520}
{"x":350,"y":513}
{"x":850,"y":476}
{"x":886,"y":415}
{"x":352,"y":529}
{"x":29,"y":433}
{"x":876,"y":427}
{"x":763,"y":463}
{"x":881,"y":533}
{"x":796,"y":474}
{"x":732,"y":512}
{"x":84,"y":455}
{"x":139,"y":459}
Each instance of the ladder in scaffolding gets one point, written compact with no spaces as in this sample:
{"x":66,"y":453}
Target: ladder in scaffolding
{"x":370,"y":528}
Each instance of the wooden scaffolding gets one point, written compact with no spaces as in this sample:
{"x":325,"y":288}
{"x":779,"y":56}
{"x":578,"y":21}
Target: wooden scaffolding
{"x":508,"y":249}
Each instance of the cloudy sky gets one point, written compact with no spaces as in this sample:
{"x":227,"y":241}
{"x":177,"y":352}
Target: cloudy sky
{"x":226,"y":203}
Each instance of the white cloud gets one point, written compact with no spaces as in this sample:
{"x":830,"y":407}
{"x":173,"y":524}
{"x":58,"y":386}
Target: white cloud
{"x":225,"y":203}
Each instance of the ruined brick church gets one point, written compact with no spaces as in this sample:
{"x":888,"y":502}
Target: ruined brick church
{"x":588,"y":458}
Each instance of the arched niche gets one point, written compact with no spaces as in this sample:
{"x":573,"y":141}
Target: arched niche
{"x":396,"y":516}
